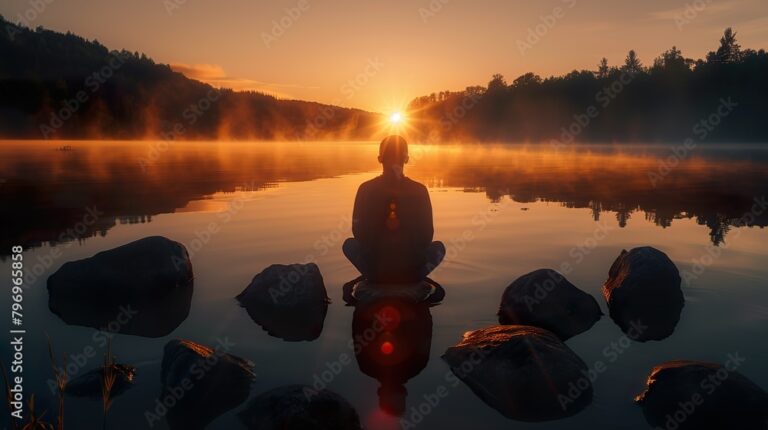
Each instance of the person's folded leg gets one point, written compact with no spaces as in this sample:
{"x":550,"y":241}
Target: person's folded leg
{"x":353,"y":251}
{"x":435,"y":255}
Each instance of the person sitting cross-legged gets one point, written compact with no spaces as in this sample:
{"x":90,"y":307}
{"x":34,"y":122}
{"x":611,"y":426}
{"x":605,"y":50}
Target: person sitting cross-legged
{"x":392,"y":223}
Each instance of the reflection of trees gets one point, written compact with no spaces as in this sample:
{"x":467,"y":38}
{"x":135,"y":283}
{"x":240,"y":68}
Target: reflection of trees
{"x":46,"y":192}
{"x":713,"y":188}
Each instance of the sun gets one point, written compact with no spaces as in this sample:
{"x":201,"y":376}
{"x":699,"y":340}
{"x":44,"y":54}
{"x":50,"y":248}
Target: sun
{"x":396,"y":118}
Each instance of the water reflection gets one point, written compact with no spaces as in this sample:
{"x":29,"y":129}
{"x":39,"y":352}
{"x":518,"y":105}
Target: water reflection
{"x":392,"y":339}
{"x":49,"y":196}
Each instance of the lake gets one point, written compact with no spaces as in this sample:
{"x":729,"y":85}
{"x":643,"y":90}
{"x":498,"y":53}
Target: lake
{"x":501,"y":210}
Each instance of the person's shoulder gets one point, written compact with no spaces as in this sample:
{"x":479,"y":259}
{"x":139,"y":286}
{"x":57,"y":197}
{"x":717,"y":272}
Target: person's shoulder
{"x":415,"y":185}
{"x":369,"y":184}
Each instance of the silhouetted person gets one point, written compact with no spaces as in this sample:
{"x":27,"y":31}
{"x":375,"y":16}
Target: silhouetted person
{"x":392,"y":340}
{"x":392,"y":223}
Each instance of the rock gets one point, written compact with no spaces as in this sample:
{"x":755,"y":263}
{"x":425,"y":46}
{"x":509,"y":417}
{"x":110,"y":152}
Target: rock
{"x":288,"y":301}
{"x":643,"y":294}
{"x":89,"y":384}
{"x":544,"y":298}
{"x":525,"y":372}
{"x":696,"y":395}
{"x":299,"y":407}
{"x":426,"y":291}
{"x":142,"y":288}
{"x":202,"y":382}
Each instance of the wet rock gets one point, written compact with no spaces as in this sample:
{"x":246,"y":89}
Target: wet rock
{"x":90,"y":383}
{"x":288,"y":301}
{"x":544,"y":298}
{"x":643,"y":294}
{"x":142,"y":288}
{"x":299,"y":407}
{"x":526,"y":373}
{"x":697,"y":395}
{"x":202,"y":382}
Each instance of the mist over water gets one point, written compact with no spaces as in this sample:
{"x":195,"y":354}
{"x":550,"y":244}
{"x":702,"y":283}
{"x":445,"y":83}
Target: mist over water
{"x":501,"y":210}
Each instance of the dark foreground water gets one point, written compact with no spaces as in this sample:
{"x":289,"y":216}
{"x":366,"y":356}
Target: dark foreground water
{"x":502,"y":211}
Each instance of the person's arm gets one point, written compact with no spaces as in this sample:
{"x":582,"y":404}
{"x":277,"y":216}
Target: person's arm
{"x":357,"y":214}
{"x":426,"y":230}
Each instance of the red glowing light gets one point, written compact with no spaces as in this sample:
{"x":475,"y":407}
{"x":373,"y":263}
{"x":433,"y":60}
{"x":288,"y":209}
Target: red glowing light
{"x":387,"y":348}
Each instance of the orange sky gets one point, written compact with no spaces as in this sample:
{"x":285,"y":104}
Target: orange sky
{"x":378,"y":55}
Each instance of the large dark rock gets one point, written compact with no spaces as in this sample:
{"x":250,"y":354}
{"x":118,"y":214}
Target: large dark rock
{"x":643,"y":294}
{"x":526,"y":373}
{"x":90,"y":383}
{"x":697,"y":395}
{"x":544,"y":298}
{"x":142,"y":288}
{"x":201,"y":382}
{"x":288,"y":301}
{"x":299,"y":407}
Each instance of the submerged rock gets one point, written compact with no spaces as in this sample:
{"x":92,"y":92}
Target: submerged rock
{"x":526,"y":373}
{"x":643,"y":294}
{"x":544,"y":298}
{"x":299,"y":407}
{"x":202,"y":382}
{"x":142,"y":288}
{"x":696,"y":395}
{"x":90,"y":383}
{"x":288,"y":301}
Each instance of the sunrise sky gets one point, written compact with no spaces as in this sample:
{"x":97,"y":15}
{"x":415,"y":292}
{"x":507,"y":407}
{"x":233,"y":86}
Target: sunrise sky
{"x":378,"y":55}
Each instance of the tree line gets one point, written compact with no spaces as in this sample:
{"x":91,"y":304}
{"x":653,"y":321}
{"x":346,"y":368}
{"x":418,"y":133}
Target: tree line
{"x":55,"y":85}
{"x":673,"y":98}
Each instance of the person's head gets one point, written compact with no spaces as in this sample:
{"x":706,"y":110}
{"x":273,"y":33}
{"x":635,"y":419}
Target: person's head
{"x":393,"y":153}
{"x":392,"y":398}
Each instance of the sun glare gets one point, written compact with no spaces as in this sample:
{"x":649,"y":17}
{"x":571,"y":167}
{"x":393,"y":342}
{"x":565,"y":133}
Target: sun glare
{"x":396,"y":118}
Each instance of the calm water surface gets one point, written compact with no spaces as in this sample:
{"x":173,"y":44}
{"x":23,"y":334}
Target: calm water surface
{"x":502,"y":210}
